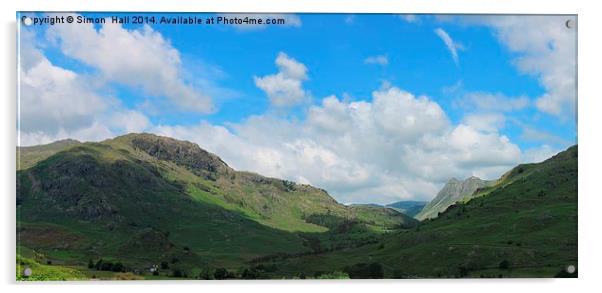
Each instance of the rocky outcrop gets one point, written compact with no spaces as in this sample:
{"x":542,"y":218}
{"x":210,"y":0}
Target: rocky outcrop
{"x":453,"y":191}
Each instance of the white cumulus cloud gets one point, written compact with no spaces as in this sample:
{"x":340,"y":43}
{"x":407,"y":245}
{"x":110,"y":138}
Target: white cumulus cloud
{"x":139,"y":58}
{"x":57,"y":103}
{"x":396,"y":146}
{"x":546,"y":49}
{"x":285,"y":87}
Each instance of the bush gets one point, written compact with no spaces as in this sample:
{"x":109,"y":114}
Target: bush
{"x":98,"y":264}
{"x":289,"y":185}
{"x":250,"y":274}
{"x":222,"y":274}
{"x":365,"y":271}
{"x":177,"y":273}
{"x":462,"y":272}
{"x":504,"y":265}
{"x":207,"y":274}
{"x":108,"y":266}
{"x":334,"y":275}
{"x":90,"y":264}
{"x":164,"y":265}
{"x":117,"y":267}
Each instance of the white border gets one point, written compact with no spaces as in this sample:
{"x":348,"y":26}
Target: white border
{"x":589,"y":140}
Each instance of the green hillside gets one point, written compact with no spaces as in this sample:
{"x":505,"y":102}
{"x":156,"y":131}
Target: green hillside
{"x":140,"y":200}
{"x":523,"y":226}
{"x":29,"y":156}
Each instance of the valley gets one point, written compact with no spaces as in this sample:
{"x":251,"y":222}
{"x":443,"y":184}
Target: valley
{"x":141,"y":206}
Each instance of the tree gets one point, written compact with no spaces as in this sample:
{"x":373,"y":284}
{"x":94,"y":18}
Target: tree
{"x":250,"y":274}
{"x":462,"y":272}
{"x":177,"y":273}
{"x":164,"y":265}
{"x":504,"y":265}
{"x":207,"y":274}
{"x":365,"y":271}
{"x":106,"y":266}
{"x":98,"y":265}
{"x":221,"y":274}
{"x":90,"y":264}
{"x":117,"y":267}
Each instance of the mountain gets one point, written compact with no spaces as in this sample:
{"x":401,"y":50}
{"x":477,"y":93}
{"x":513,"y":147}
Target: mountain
{"x":408,"y":207}
{"x":522,"y":225}
{"x":114,"y":209}
{"x":140,"y":200}
{"x":453,"y":191}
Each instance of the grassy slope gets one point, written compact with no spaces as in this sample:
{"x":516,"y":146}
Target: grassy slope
{"x":118,"y":202}
{"x":529,"y":220}
{"x":29,"y":156}
{"x":110,"y":209}
{"x":41,"y":272}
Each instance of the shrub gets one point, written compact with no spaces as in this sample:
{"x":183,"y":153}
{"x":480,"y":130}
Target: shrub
{"x":164,"y":265}
{"x":289,"y":185}
{"x":334,"y":275}
{"x":250,"y":274}
{"x":462,"y":272}
{"x":221,"y":274}
{"x":177,"y":273}
{"x":365,"y":271}
{"x":98,"y":265}
{"x":117,"y":267}
{"x":207,"y":274}
{"x":504,"y":265}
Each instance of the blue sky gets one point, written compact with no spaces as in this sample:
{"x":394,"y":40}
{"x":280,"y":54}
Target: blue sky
{"x":504,"y":84}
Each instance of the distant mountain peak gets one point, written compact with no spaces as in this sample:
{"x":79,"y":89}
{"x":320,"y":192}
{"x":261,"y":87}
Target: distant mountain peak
{"x":453,"y":191}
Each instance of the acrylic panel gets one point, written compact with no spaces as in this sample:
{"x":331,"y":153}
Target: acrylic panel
{"x":207,"y":146}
